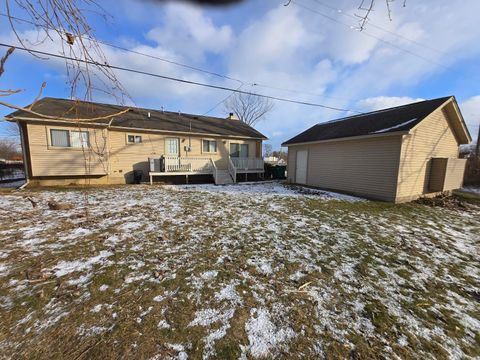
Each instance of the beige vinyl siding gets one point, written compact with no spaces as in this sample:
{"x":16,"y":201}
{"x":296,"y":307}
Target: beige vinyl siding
{"x":47,"y":160}
{"x":438,"y":170}
{"x":366,"y":167}
{"x":432,"y":138}
{"x":455,"y":173}
{"x":126,"y":157}
{"x":111,"y":154}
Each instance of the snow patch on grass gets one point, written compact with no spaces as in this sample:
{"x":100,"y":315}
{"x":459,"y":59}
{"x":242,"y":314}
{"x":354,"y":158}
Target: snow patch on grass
{"x":66,"y":267}
{"x":264,"y":336}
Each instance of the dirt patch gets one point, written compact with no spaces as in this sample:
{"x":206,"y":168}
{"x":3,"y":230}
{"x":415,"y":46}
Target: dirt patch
{"x":445,"y":201}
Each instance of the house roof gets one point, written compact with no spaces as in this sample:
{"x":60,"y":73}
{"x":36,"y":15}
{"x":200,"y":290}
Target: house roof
{"x":136,"y":118}
{"x":396,"y":119}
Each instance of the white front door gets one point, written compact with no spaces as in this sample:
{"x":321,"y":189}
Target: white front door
{"x":173,"y":146}
{"x":301,"y":170}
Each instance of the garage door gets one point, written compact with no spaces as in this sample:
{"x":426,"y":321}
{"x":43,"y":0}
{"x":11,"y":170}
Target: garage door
{"x":301,"y":171}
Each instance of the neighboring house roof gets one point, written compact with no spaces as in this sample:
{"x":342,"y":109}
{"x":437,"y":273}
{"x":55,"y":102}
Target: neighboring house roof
{"x":137,"y":118}
{"x":396,"y":119}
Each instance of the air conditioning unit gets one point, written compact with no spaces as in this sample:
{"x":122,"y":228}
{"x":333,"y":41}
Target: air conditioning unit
{"x":157,"y":164}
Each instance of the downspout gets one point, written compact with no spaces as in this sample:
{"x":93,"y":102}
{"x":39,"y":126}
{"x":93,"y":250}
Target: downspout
{"x":190,"y":139}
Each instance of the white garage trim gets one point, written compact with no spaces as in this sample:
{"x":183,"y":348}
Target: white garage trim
{"x":301,"y":167}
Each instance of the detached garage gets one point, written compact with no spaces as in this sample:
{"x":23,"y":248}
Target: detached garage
{"x":397,"y":154}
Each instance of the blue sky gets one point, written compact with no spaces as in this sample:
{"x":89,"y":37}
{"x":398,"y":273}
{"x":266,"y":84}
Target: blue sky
{"x":282,"y":47}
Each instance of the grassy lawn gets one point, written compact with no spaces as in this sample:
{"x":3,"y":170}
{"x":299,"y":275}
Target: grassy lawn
{"x":250,"y":271}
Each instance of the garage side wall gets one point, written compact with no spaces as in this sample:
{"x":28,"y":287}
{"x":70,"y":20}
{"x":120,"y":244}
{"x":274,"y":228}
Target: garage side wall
{"x":433,"y":138}
{"x":364,"y":167}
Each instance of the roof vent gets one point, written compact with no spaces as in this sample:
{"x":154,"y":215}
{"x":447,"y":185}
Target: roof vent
{"x":162,"y":108}
{"x":148,"y":114}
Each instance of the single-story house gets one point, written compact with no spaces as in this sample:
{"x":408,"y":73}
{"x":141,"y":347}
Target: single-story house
{"x":396,"y":155}
{"x":65,"y":142}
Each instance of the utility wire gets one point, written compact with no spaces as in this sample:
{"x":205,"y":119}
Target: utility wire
{"x":341,"y":12}
{"x":182,"y":65}
{"x":221,"y":102}
{"x":190,"y":82}
{"x":368,"y":34}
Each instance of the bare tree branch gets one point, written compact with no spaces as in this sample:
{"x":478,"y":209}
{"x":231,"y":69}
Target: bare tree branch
{"x":43,"y":116}
{"x":63,"y":22}
{"x":248,"y":108}
{"x":4,"y":60}
{"x":368,"y":6}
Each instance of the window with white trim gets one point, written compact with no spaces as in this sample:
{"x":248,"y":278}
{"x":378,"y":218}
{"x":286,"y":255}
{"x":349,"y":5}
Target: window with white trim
{"x":69,"y":138}
{"x":209,"y":146}
{"x":134,"y":139}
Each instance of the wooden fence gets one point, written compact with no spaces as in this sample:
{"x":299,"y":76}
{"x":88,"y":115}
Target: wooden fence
{"x":472,"y":171}
{"x":11,"y":170}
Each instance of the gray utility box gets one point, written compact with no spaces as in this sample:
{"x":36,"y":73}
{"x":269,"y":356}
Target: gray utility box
{"x":157,"y":164}
{"x":446,"y":174}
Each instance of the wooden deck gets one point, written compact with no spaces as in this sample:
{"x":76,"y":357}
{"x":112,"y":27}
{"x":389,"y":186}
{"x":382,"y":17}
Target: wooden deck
{"x":187,"y":166}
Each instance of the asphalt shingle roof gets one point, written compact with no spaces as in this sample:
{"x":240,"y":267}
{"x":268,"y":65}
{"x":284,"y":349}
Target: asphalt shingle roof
{"x":400,"y":118}
{"x":137,"y":118}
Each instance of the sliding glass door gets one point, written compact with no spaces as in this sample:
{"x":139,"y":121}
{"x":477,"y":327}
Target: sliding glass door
{"x":239,"y":150}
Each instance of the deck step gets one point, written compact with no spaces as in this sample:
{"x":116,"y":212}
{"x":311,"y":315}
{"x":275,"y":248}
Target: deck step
{"x":223,"y":177}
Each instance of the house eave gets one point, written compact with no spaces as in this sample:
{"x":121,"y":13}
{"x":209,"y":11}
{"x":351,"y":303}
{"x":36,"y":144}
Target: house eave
{"x":361,"y":137}
{"x":461,"y":132}
{"x":133,"y":129}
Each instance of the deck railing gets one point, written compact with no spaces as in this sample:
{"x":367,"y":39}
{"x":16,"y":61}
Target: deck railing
{"x":214,"y":170}
{"x":188,"y":164}
{"x":247,"y":163}
{"x":232,"y":170}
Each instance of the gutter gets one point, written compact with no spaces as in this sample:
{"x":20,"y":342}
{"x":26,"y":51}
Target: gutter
{"x":369,"y":136}
{"x":126,"y":128}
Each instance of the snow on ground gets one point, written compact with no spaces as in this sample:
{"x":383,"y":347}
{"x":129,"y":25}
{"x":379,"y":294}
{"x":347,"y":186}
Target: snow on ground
{"x":269,"y":188}
{"x":12,"y":184}
{"x":471,"y":189}
{"x":242,"y":271}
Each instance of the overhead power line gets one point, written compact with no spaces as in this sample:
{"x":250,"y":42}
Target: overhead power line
{"x":171,"y":78}
{"x":343,"y":13}
{"x":242,"y":82}
{"x":127,"y":50}
{"x":368,"y":34}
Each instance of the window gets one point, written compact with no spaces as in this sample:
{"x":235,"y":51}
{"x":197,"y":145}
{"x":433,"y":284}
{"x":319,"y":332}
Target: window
{"x":69,"y":138}
{"x":79,"y":139}
{"x":209,"y":146}
{"x":134,"y":139}
{"x":173,"y":146}
{"x":239,"y":150}
{"x":60,"y":138}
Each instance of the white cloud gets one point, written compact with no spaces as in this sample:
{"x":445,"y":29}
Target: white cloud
{"x":290,"y":48}
{"x":188,"y":31}
{"x":443,"y":25}
{"x":186,"y":35}
{"x":470,"y":109}
{"x":384,"y":102}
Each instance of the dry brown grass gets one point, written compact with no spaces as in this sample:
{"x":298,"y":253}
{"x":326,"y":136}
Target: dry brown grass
{"x":382,"y":279}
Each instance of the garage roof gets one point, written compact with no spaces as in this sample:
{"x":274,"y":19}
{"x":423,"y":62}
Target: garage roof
{"x":400,"y":118}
